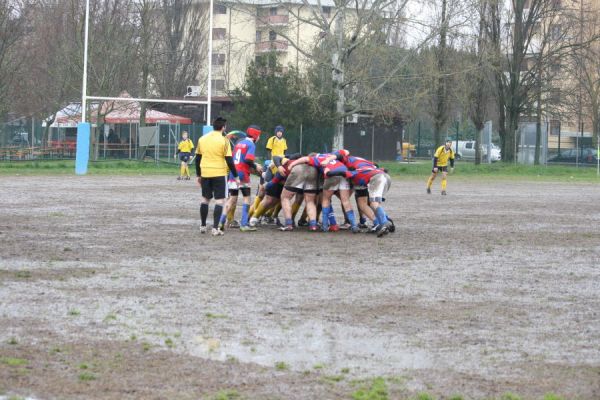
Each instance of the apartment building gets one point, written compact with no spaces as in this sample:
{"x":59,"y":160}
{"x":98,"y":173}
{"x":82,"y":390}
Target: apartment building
{"x":566,"y":106}
{"x":244,"y":31}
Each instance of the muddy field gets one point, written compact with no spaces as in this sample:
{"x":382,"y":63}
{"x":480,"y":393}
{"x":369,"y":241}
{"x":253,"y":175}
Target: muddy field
{"x":108,"y":291}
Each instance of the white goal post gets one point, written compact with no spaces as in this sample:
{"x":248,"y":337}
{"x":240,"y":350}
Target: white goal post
{"x":84,"y":128}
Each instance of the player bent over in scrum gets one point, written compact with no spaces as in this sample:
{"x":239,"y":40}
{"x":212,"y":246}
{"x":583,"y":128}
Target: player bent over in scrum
{"x":333,"y":173}
{"x":302,"y":180}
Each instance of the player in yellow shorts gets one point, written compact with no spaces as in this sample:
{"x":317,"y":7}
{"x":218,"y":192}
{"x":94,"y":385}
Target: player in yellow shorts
{"x":441,"y":157}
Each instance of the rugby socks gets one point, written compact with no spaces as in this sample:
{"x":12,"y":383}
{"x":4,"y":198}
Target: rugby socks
{"x":276,"y":210}
{"x":325,"y":218}
{"x":351,"y":218}
{"x":376,"y":221}
{"x":203,"y":213}
{"x":363,"y":220}
{"x":231,"y":214}
{"x":223,"y":219}
{"x":312,"y":222}
{"x":181,"y":171}
{"x":187,"y":170}
{"x":217,"y":214}
{"x":443,"y":183}
{"x":258,"y":211}
{"x":245,"y":209}
{"x":429,"y":182}
{"x":257,"y":201}
{"x":381,"y":215}
{"x":331,"y":216}
{"x":289,"y":222}
{"x":295,"y":208}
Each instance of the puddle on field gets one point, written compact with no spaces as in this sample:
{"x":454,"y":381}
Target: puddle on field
{"x":331,"y":346}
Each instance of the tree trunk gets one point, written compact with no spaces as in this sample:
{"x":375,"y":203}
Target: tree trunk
{"x":441,"y":103}
{"x":337,"y":59}
{"x":478,"y":137}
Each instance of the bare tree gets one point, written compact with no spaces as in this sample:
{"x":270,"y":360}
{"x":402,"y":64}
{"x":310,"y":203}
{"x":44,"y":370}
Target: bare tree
{"x":12,"y":29}
{"x":525,"y":38}
{"x":183,"y":41}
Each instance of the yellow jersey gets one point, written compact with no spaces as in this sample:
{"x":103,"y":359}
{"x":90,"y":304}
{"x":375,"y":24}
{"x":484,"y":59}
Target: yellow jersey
{"x":185,"y":146}
{"x":213,"y":147}
{"x":277,"y":146}
{"x":443,"y":156}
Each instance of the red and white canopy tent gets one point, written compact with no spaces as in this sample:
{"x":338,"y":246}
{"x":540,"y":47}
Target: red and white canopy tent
{"x":115,"y":113}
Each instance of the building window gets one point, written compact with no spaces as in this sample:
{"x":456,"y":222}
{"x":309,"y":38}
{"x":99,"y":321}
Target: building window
{"x":273,"y":11}
{"x":218,"y":59}
{"x":218,"y":85}
{"x":272,"y":35}
{"x":555,"y":32}
{"x":219,"y":9}
{"x":258,"y":36}
{"x":219,"y":33}
{"x":327,"y":11}
{"x":555,"y":127}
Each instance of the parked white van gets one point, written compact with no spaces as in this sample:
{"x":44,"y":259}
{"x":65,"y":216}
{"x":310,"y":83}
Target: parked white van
{"x":466,"y":151}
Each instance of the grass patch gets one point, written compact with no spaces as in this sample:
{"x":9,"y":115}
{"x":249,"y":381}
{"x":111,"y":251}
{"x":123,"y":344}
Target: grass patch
{"x":169,"y":343}
{"x":13,"y":341}
{"x":13,"y":362}
{"x":54,"y":167}
{"x":424,"y":396}
{"x":146,"y":346}
{"x":210,"y":315}
{"x":510,"y":396}
{"x":318,"y":366}
{"x":552,"y":396}
{"x":376,"y":390}
{"x":87,"y":376}
{"x":225,"y":395}
{"x":333,"y":378}
{"x":281,"y":366}
{"x":497,"y":170}
{"x":74,"y":312}
{"x":23,"y":274}
{"x":110,"y":317}
{"x":345,"y":370}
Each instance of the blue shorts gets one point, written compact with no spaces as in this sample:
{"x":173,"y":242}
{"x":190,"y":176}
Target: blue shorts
{"x":185,"y":157}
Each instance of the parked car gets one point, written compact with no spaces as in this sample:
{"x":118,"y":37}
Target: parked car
{"x":466,"y":151}
{"x":588,"y":155}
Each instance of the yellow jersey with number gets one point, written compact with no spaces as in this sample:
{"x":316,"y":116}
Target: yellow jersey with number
{"x":443,"y":156}
{"x":185,"y":146}
{"x":277,"y":146}
{"x":213,"y":147}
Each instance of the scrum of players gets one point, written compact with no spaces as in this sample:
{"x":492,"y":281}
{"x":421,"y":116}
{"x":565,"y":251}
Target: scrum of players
{"x":289,"y":180}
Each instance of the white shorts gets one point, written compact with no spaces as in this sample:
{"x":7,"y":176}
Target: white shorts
{"x":232,"y":185}
{"x":378,"y":186}
{"x":336,"y":183}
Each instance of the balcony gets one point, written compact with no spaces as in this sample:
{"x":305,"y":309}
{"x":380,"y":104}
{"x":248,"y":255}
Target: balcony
{"x":272,"y":20}
{"x":272,"y":45}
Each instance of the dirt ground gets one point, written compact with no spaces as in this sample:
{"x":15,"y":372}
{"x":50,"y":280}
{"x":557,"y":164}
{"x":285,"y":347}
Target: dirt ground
{"x":108,"y":291}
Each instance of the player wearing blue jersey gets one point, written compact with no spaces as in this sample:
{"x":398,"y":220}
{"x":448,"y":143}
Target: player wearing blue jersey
{"x":243,"y":159}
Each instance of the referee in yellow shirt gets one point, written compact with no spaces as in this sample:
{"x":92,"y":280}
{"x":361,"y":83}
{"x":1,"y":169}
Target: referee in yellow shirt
{"x":277,"y":144}
{"x":213,"y":164}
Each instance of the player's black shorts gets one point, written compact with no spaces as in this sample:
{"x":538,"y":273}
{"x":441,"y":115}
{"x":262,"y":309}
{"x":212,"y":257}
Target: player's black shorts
{"x":214,"y":187}
{"x":361,"y":193}
{"x":185,"y":157}
{"x":441,"y":169}
{"x":274,"y":190}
